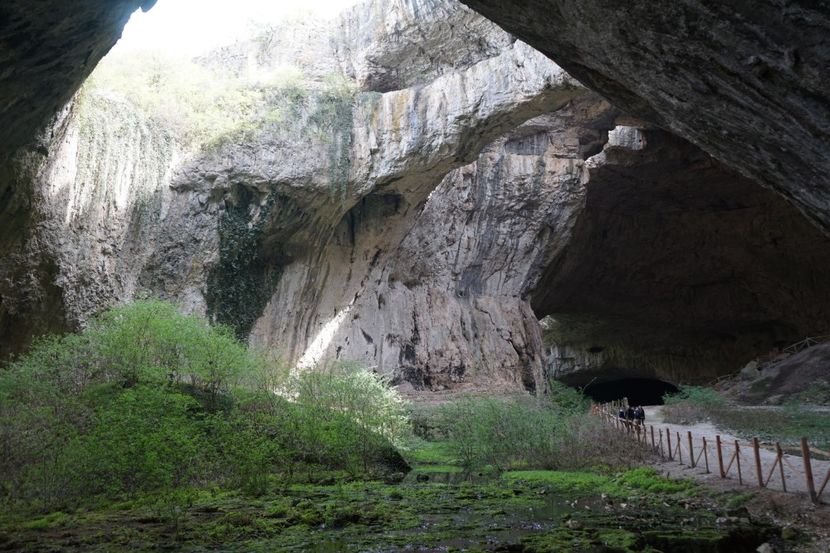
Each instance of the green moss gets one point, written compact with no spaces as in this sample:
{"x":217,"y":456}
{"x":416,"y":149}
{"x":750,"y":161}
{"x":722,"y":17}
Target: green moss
{"x":646,"y":479}
{"x":333,"y":119}
{"x":361,"y":516}
{"x":580,"y":482}
{"x":588,"y":540}
{"x":52,"y":520}
{"x":635,"y":480}
{"x":241,"y":283}
{"x":439,"y":468}
{"x":435,"y":453}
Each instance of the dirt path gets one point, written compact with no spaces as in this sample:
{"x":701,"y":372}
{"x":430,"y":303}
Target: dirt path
{"x":790,"y":511}
{"x":793,"y":467}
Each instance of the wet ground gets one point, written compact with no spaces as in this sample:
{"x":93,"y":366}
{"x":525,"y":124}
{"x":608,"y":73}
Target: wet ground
{"x":438,"y":508}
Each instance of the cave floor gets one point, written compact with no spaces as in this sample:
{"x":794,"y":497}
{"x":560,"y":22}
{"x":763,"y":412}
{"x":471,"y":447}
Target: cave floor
{"x":437,"y":508}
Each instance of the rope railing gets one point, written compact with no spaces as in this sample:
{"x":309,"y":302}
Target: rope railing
{"x":734,"y":459}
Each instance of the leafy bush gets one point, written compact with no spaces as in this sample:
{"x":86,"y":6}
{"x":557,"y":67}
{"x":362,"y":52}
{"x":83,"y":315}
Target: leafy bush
{"x":524,"y":432}
{"x":199,"y":104}
{"x":695,"y":394}
{"x":150,"y":399}
{"x":363,"y":396}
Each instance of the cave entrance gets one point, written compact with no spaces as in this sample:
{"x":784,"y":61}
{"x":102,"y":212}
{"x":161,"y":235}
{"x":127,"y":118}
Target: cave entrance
{"x":639,"y":391}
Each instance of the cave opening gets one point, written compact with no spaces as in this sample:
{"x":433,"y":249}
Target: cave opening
{"x":639,"y":391}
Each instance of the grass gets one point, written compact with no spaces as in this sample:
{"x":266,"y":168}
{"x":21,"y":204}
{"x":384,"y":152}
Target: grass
{"x":52,"y":520}
{"x":431,"y":453}
{"x":787,"y":424}
{"x":527,"y":509}
{"x":618,"y":485}
{"x":440,"y":468}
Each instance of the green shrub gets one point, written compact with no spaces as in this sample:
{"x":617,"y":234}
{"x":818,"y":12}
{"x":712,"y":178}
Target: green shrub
{"x":697,"y":395}
{"x":148,"y":399}
{"x":552,"y":432}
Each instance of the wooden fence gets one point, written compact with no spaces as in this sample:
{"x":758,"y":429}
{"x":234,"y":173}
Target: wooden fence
{"x":725,"y":456}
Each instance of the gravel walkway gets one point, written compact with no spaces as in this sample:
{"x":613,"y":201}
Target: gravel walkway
{"x":793,"y":466}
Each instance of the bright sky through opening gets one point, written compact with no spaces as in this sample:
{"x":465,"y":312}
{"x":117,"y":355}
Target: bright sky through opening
{"x":190,"y":27}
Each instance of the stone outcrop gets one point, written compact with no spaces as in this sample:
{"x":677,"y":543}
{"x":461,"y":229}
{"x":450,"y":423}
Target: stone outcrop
{"x":97,"y":202}
{"x":744,"y":80}
{"x":322,"y":202}
{"x":48,"y":50}
{"x":394,"y":44}
{"x":437,"y":298}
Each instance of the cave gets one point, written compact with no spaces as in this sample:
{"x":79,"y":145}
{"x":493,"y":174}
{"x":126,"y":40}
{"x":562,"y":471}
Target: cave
{"x":679,"y":268}
{"x":446,"y":207}
{"x":660,"y":232}
{"x":638,"y":391}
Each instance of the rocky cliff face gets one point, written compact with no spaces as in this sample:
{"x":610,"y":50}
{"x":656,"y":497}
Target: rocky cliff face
{"x":435,"y":296}
{"x":97,"y":201}
{"x":284,"y":225}
{"x":312,"y":210}
{"x":743,"y":80}
{"x":413,"y":198}
{"x":48,"y":51}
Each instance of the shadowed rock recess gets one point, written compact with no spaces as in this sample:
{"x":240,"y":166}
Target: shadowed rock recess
{"x":426,"y":187}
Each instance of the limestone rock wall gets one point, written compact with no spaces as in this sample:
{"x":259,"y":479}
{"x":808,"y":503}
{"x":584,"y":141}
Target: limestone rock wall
{"x":393,"y":44}
{"x":743,"y":80}
{"x":97,"y":202}
{"x":446,"y":306}
{"x":49,"y":48}
{"x":321,"y":223}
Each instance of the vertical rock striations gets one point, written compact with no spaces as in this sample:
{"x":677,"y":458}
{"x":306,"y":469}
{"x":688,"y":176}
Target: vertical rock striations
{"x":97,"y":202}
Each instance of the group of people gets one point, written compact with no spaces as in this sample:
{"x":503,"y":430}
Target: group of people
{"x":633,"y":415}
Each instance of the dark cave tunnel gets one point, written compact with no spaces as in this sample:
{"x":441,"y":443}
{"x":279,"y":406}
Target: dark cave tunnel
{"x":639,"y":391}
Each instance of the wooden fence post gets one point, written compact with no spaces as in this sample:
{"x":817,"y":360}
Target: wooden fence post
{"x":720,"y":456}
{"x":691,"y":449}
{"x":668,"y":440}
{"x":808,"y":470}
{"x":706,"y":454}
{"x":662,"y":453}
{"x":653,"y":445}
{"x":679,"y":449}
{"x":781,"y":466}
{"x":757,"y":462}
{"x":738,"y":461}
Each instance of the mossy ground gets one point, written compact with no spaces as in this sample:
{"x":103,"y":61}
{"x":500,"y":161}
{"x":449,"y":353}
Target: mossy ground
{"x":526,"y":511}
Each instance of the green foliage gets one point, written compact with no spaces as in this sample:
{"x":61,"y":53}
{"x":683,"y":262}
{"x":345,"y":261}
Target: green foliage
{"x":503,"y":433}
{"x":150,"y":399}
{"x":197,"y":103}
{"x":567,"y":399}
{"x":552,"y":432}
{"x":698,"y":395}
{"x":241,"y":283}
{"x":363,"y":396}
{"x":648,"y":479}
{"x":641,"y":479}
